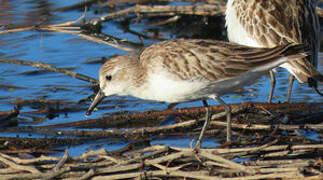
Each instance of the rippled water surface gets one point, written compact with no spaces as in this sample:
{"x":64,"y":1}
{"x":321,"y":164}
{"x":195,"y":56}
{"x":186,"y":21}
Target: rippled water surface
{"x":70,"y":51}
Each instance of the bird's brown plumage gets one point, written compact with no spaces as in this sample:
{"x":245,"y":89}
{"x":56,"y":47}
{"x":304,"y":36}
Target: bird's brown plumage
{"x":277,"y":22}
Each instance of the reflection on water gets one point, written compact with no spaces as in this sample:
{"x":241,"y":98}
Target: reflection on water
{"x":68,"y":51}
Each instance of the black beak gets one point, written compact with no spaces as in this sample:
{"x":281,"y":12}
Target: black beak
{"x":98,"y":98}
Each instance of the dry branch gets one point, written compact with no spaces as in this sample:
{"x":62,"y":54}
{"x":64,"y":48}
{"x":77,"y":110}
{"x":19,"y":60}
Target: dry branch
{"x":13,"y":165}
{"x":61,"y":162}
{"x":50,"y":68}
{"x":158,"y":10}
{"x":226,"y":163}
{"x":118,"y":2}
{"x":67,"y":27}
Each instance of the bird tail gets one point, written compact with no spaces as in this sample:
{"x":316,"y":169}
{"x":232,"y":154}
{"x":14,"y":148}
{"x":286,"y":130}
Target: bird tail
{"x":286,"y":54}
{"x":303,"y":70}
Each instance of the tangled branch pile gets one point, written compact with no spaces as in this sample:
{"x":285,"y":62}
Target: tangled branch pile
{"x":161,"y":162}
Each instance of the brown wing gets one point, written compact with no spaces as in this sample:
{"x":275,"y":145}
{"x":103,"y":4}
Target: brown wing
{"x":207,"y":59}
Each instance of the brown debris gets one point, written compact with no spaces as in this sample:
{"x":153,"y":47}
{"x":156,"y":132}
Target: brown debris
{"x":14,"y":145}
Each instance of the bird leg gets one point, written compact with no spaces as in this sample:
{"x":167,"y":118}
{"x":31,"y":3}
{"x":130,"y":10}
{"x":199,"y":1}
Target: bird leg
{"x":228,"y":114}
{"x":172,"y":105}
{"x":206,"y":123}
{"x":272,"y":87}
{"x":313,"y":83}
{"x":290,"y":87}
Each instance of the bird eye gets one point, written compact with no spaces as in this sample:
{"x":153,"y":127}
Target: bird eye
{"x":108,"y":77}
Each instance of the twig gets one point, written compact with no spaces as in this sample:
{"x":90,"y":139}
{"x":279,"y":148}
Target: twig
{"x":61,"y":162}
{"x":143,"y":157}
{"x":88,"y":175}
{"x":53,"y":174}
{"x":167,"y":21}
{"x":203,"y":10}
{"x":50,"y":68}
{"x":86,"y":155}
{"x":268,"y":127}
{"x":266,"y":149}
{"x":62,"y":28}
{"x":149,"y":174}
{"x":18,"y":167}
{"x":226,"y":163}
{"x":30,"y":161}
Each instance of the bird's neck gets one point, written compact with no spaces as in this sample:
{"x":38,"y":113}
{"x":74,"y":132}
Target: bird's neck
{"x":136,"y":74}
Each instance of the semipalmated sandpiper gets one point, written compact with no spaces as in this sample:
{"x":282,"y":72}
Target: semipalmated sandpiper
{"x":187,"y":70}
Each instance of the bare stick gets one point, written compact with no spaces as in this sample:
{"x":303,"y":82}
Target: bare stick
{"x":228,"y":163}
{"x":203,"y":10}
{"x":18,"y":167}
{"x":50,"y":68}
{"x":61,"y":162}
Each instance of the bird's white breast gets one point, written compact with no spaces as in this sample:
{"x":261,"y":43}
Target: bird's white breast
{"x":162,"y":86}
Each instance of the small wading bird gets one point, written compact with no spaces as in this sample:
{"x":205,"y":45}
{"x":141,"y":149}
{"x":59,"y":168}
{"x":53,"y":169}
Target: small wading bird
{"x":270,"y":23}
{"x":186,"y":70}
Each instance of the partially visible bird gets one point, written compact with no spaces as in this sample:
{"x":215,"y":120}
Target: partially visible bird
{"x":270,"y":23}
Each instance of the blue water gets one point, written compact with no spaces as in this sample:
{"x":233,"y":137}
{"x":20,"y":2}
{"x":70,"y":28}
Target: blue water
{"x":70,"y":51}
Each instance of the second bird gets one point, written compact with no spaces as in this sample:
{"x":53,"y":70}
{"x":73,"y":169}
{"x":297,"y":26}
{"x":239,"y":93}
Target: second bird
{"x":270,"y":23}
